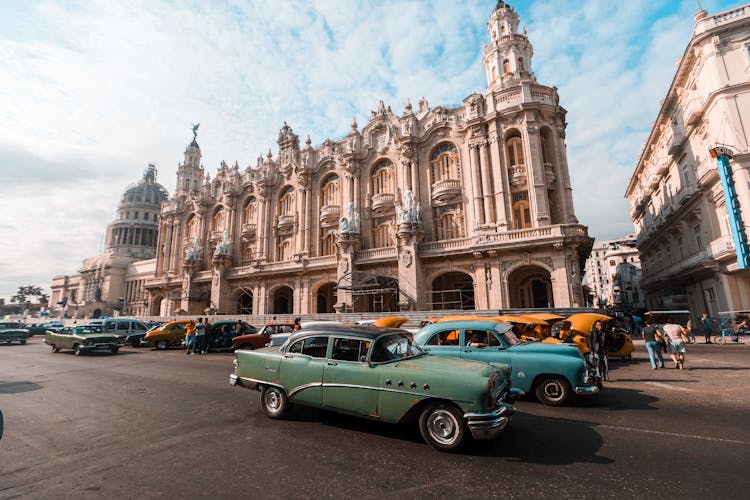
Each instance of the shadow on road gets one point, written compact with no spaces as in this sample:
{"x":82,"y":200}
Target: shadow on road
{"x":17,"y":387}
{"x":617,"y":398}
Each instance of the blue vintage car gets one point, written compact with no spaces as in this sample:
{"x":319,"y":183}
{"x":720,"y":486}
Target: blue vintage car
{"x":551,"y":371}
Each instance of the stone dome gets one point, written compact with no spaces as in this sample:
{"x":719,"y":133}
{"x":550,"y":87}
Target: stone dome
{"x":145,"y":194}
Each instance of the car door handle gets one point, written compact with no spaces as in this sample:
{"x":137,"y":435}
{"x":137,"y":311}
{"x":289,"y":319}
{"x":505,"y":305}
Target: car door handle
{"x":288,"y":356}
{"x":331,"y":363}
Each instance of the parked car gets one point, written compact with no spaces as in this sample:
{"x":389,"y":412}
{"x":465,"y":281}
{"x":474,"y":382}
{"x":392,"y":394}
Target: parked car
{"x":223,"y":332}
{"x":128,"y":330}
{"x":13,"y":332}
{"x":36,"y":329}
{"x":280,"y":337}
{"x":136,"y":339}
{"x":82,"y":339}
{"x":380,"y":374}
{"x":166,"y":336}
{"x":53,"y":326}
{"x":551,"y":371}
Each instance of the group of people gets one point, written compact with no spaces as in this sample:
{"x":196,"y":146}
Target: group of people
{"x":195,"y":337}
{"x":670,"y":338}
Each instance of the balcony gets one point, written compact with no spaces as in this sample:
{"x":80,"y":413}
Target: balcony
{"x":445,"y":189}
{"x":721,"y":248}
{"x":374,"y":254}
{"x":330,"y":213}
{"x":517,"y":175}
{"x":216,"y":236}
{"x":693,"y":111}
{"x":285,"y":222}
{"x":549,"y":173}
{"x":382,"y":202}
{"x":248,"y":230}
{"x":678,"y":141}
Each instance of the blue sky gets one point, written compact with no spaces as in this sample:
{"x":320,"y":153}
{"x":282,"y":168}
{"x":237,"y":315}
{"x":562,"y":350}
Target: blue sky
{"x":92,"y":91}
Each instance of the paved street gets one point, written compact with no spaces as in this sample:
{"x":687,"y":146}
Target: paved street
{"x":149,"y":424}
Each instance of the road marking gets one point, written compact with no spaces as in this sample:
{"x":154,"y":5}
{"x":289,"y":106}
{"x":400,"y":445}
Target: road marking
{"x":675,"y":434}
{"x":669,"y":386}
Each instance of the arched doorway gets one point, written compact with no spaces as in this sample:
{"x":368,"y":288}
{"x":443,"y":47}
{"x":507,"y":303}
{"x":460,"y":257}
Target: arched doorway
{"x":326,"y":298}
{"x":453,"y":290}
{"x":530,"y":286}
{"x":96,"y":313}
{"x":371,"y":292}
{"x":283,"y":301}
{"x":245,"y":302}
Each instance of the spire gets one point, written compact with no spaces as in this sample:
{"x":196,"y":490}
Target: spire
{"x":507,"y":58}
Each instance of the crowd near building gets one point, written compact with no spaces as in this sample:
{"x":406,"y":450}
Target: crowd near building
{"x":613,"y":274}
{"x":433,"y":207}
{"x":690,"y":191}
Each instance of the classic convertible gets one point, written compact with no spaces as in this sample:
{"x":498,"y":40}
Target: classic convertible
{"x":380,"y":374}
{"x":551,"y":371}
{"x":82,"y":339}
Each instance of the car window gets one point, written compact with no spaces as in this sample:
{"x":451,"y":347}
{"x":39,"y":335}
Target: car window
{"x":296,"y":347}
{"x":137,"y":325}
{"x":509,"y":338}
{"x":444,"y":338}
{"x":350,"y":349}
{"x":477,"y":338}
{"x":123,"y":325}
{"x":284,"y":329}
{"x":109,"y":325}
{"x":395,"y":347}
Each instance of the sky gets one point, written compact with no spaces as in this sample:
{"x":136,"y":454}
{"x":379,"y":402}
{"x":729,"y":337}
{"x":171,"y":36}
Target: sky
{"x":93,"y":91}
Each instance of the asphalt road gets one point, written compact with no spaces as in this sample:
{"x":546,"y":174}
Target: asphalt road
{"x":150,"y":424}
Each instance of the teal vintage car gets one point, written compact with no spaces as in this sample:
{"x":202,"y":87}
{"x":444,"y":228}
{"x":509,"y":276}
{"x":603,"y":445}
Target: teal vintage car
{"x":82,"y":339}
{"x":551,"y":371}
{"x":380,"y":374}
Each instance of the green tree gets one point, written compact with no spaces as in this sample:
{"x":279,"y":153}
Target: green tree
{"x":24,"y":294}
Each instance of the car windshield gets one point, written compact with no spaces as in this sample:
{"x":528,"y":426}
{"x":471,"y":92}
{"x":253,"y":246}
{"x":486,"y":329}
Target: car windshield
{"x":509,"y":338}
{"x":394,"y":348}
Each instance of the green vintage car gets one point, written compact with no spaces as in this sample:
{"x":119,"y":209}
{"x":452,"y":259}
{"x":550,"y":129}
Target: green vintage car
{"x":82,"y":339}
{"x":13,"y":332}
{"x":380,"y":374}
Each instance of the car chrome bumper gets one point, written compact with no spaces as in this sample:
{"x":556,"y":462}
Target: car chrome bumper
{"x":485,"y":426}
{"x":235,"y":379}
{"x":588,"y":390}
{"x":98,"y":347}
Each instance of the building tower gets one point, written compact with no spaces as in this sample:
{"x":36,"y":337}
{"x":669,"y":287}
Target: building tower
{"x":507,"y":58}
{"x":190,"y":171}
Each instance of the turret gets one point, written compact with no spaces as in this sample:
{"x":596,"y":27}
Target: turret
{"x":507,"y":58}
{"x":190,"y":171}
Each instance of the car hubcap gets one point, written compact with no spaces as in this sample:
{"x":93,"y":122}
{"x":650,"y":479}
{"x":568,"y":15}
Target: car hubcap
{"x":273,"y":401}
{"x":442,"y":426}
{"x":553,"y":390}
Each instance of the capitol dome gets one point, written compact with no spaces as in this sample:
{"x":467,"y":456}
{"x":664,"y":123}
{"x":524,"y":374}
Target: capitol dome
{"x":134,"y":232}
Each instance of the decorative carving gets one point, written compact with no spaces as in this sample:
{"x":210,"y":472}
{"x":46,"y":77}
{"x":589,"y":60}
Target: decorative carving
{"x":406,"y":258}
{"x":224,"y":247}
{"x":351,"y":222}
{"x":194,"y":253}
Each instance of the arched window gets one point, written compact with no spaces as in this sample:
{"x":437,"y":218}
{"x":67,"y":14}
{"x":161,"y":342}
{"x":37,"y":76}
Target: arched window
{"x":285,"y":251}
{"x":444,"y":163}
{"x":191,"y":228}
{"x":248,"y":254}
{"x":520,"y":64}
{"x":382,"y":178}
{"x":514,"y":146}
{"x":329,"y":192}
{"x":286,"y":201}
{"x":218,"y":220}
{"x":521,"y":215}
{"x":383,"y":236}
{"x":506,"y":66}
{"x":328,"y":242}
{"x":448,"y":223}
{"x":249,"y":211}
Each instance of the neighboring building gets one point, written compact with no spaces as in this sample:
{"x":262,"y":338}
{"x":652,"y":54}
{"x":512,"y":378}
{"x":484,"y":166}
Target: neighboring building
{"x":678,"y":204}
{"x":435,"y":208}
{"x":613,"y":274}
{"x":114,"y":280}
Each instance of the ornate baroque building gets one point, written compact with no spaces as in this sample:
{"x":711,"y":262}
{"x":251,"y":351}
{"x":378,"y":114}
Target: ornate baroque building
{"x":430,"y":208}
{"x":613,"y":274}
{"x":113,"y":281}
{"x":687,"y":207}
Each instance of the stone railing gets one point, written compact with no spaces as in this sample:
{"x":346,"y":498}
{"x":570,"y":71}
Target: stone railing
{"x":517,"y":175}
{"x":330,"y":213}
{"x":441,"y":246}
{"x":382,"y":200}
{"x":445,"y":187}
{"x":324,"y":260}
{"x":730,"y":14}
{"x":721,"y":248}
{"x":376,"y":253}
{"x":248,"y":229}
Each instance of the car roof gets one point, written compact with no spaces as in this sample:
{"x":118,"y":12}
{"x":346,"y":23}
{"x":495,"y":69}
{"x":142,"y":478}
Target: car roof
{"x":469,"y":323}
{"x":365,"y":332}
{"x":675,"y":311}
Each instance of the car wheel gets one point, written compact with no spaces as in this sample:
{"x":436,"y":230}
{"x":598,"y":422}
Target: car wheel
{"x":55,"y":348}
{"x":553,"y":391}
{"x":135,"y":343}
{"x":114,"y":349}
{"x":77,"y":350}
{"x":443,"y":427}
{"x":627,"y":357}
{"x":274,"y":402}
{"x":162,"y":345}
{"x":23,"y":341}
{"x":246,"y":346}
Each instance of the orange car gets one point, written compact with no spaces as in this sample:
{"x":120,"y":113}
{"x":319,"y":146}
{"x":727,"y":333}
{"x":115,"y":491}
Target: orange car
{"x":166,"y":336}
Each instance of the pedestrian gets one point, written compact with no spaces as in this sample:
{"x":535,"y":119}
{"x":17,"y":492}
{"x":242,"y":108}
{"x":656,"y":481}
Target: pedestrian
{"x":636,"y":324}
{"x":740,"y":328}
{"x":677,"y":339}
{"x":652,"y":335}
{"x":200,"y":337}
{"x":297,"y":325}
{"x":208,"y":340}
{"x":706,"y":323}
{"x":189,"y":335}
{"x":597,"y":345}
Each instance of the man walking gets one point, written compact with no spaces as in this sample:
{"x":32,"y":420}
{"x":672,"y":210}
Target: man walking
{"x":200,"y":337}
{"x":706,"y":323}
{"x":651,"y":334}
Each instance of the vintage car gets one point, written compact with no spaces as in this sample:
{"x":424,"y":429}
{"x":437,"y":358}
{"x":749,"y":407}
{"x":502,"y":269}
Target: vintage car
{"x":168,"y":335}
{"x":82,"y":339}
{"x":380,"y":374}
{"x":13,"y":332}
{"x":222,"y":332}
{"x":551,"y":371}
{"x":261,"y":338}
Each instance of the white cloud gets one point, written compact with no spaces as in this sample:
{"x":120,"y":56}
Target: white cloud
{"x":92,"y":91}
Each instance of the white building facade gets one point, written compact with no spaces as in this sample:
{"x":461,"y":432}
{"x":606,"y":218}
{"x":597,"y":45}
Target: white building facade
{"x":687,"y":222}
{"x":613,"y":274}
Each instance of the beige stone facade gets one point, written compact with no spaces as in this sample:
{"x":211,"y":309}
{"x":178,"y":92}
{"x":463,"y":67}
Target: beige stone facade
{"x":613,"y":274}
{"x":678,"y":205}
{"x":428,"y":208}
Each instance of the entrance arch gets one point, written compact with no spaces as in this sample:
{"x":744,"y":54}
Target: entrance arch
{"x":245,"y":302}
{"x":530,"y":287}
{"x":325,"y":299}
{"x":453,"y":290}
{"x":370,"y":292}
{"x":283,"y":301}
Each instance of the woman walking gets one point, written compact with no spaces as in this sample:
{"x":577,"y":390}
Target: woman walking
{"x":652,"y":335}
{"x":676,"y":336}
{"x":597,"y":343}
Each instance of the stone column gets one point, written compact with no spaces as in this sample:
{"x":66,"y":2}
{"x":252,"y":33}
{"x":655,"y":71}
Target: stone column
{"x":538,"y":189}
{"x":260,"y":230}
{"x":410,"y":275}
{"x":563,"y":178}
{"x":476,"y":187}
{"x":167,"y":262}
{"x":500,"y":178}
{"x":309,"y":214}
{"x":487,"y":193}
{"x":302,"y":214}
{"x":220,"y":298}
